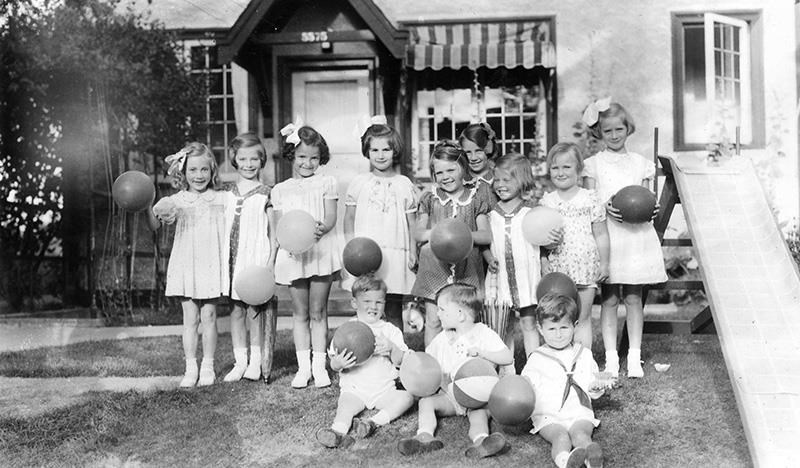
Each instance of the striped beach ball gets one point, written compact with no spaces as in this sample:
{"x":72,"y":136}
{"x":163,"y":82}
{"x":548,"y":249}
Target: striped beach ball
{"x":473,"y":383}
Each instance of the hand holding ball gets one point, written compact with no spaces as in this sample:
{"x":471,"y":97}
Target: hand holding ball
{"x":420,"y":374}
{"x":538,"y":222}
{"x":133,"y":191}
{"x":451,"y":241}
{"x":512,"y":400}
{"x":362,"y":255}
{"x":635,"y":204}
{"x":295,"y":231}
{"x":255,"y":285}
{"x":355,"y":337}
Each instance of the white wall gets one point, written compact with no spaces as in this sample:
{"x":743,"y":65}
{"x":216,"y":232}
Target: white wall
{"x":624,"y":49}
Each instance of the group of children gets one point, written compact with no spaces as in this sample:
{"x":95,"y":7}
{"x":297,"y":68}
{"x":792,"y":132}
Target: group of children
{"x":219,"y":233}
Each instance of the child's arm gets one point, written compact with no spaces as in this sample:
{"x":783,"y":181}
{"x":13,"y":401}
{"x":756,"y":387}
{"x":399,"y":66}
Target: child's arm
{"x":152,"y":221}
{"x":329,"y":221}
{"x":273,"y":239}
{"x":422,"y":233}
{"x":501,"y":357}
{"x":591,"y":184}
{"x":411,"y":219}
{"x":600,"y":232}
{"x":341,"y":360}
{"x":483,"y":235}
{"x":349,"y":222}
{"x":491,"y":262}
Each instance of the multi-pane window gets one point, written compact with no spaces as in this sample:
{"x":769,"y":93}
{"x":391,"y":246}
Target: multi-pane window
{"x":219,"y":116}
{"x":515,"y":113}
{"x":716,"y":80}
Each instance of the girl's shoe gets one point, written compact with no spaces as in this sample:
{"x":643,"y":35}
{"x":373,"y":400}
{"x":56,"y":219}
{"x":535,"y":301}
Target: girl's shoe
{"x":235,"y":374}
{"x":363,"y":428}
{"x":189,"y":379}
{"x":301,"y":379}
{"x":207,"y":377}
{"x":321,"y":378}
{"x":635,"y":370}
{"x":253,"y":371}
{"x":332,"y":439}
{"x":594,"y":456}
{"x":577,"y":458}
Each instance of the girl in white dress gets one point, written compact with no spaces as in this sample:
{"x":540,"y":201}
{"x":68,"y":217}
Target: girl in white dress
{"x":198,"y":265}
{"x":382,"y":205}
{"x":513,"y":263}
{"x":582,"y":253}
{"x":635,"y":257}
{"x":309,"y":274}
{"x":251,"y":239}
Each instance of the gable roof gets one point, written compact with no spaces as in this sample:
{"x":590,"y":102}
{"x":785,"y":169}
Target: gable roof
{"x":391,"y":37}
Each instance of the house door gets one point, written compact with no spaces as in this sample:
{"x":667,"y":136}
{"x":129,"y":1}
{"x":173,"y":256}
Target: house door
{"x":332,"y":103}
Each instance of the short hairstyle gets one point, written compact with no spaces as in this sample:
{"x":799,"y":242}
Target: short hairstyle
{"x":464,"y":295}
{"x":383,"y":131}
{"x":566,"y":148}
{"x":482,"y":135}
{"x":553,"y":306}
{"x":246,"y":140}
{"x":309,"y":137}
{"x":368,"y":282}
{"x":195,"y":149}
{"x":451,"y":151}
{"x":520,"y":169}
{"x":614,"y":110}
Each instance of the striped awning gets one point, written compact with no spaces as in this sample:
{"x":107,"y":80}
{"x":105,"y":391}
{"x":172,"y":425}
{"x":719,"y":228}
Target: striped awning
{"x":498,"y":44}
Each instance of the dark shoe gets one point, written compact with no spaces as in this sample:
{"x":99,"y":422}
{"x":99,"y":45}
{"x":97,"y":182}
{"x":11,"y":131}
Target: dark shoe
{"x":363,"y":428}
{"x":594,"y":455}
{"x":492,"y":444}
{"x":577,"y":457}
{"x":414,"y":445}
{"x":332,"y":439}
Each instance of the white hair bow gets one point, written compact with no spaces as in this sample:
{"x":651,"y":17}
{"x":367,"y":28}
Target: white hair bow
{"x":176,"y":162}
{"x":593,"y":110}
{"x":365,"y":121}
{"x":290,"y":131}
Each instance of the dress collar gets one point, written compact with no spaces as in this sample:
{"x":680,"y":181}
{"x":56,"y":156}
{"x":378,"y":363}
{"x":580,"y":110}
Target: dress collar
{"x":191,"y":197}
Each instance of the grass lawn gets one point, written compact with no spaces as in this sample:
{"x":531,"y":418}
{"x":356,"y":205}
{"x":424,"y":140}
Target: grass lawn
{"x":686,"y":416}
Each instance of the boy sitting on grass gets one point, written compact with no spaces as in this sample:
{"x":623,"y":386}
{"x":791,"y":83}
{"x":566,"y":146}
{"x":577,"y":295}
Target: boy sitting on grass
{"x":372,"y":383}
{"x":461,"y":339}
{"x":565,"y":379}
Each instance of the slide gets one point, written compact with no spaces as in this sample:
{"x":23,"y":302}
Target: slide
{"x":753,"y":287}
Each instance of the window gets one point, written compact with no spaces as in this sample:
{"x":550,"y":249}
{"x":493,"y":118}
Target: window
{"x":515,"y":113}
{"x":219,"y":116}
{"x":717,"y":74}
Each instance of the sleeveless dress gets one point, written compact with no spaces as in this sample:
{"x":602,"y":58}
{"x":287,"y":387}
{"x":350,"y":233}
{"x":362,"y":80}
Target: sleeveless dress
{"x":635,"y":255}
{"x":248,"y":230}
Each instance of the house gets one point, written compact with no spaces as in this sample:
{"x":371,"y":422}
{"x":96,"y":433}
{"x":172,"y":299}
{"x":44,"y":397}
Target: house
{"x":702,"y":72}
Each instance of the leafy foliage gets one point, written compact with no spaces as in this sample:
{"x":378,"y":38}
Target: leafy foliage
{"x":85,"y":71}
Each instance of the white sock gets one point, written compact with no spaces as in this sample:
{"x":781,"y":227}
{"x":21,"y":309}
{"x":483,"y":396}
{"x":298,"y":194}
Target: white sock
{"x":207,"y":363}
{"x":561,"y":459}
{"x":318,"y":360}
{"x":191,"y":365}
{"x":634,"y":355}
{"x":381,"y":418}
{"x":240,"y":357}
{"x":478,"y":438}
{"x":304,"y":361}
{"x":611,"y":356}
{"x":255,"y":354}
{"x":340,"y":428}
